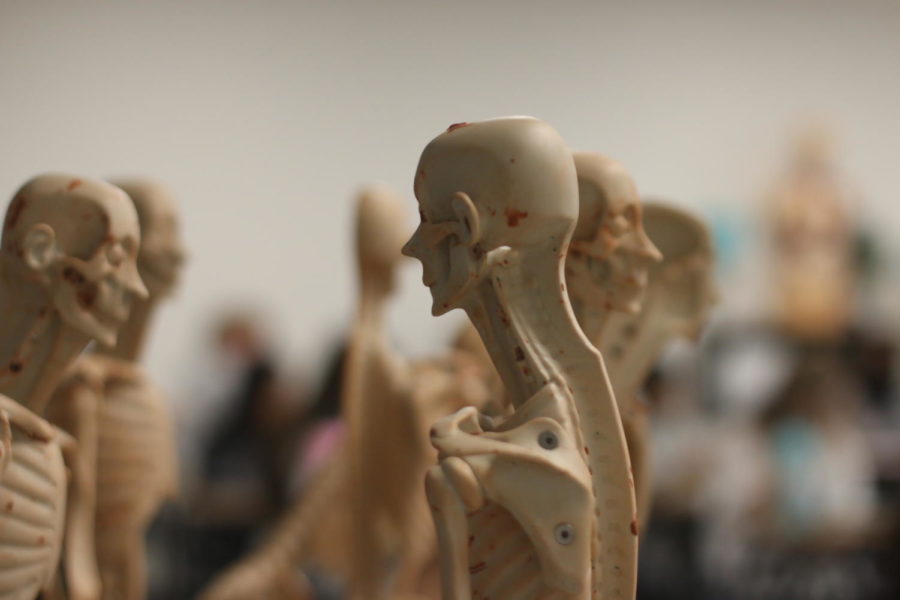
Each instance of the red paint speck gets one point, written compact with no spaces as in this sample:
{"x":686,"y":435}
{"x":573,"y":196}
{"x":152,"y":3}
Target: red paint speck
{"x":513,"y":216}
{"x":477,"y":568}
{"x":73,"y":184}
{"x":456,"y":126}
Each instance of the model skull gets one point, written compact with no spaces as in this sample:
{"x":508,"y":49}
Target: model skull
{"x":610,"y":253}
{"x":481,"y":187}
{"x":162,"y":252}
{"x":78,"y":240}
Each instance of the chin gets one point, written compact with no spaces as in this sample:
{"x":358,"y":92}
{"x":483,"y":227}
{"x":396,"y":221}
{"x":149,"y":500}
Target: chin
{"x":439,"y":307}
{"x":444,"y":303}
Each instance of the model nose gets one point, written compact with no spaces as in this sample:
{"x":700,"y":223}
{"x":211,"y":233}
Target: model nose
{"x":133,"y":282}
{"x":411,"y":246}
{"x":647,"y":249}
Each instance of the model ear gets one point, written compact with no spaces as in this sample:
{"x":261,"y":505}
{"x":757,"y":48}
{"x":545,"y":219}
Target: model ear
{"x":467,"y":216}
{"x":39,"y":247}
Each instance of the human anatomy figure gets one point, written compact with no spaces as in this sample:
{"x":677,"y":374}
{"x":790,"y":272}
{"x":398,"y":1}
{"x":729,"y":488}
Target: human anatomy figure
{"x":810,"y":225}
{"x":679,"y":294}
{"x":68,"y":274}
{"x":539,"y":504}
{"x":365,"y":518}
{"x":119,"y":417}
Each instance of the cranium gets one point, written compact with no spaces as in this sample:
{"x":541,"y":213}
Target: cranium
{"x":78,"y":240}
{"x":476,"y":196}
{"x":610,"y":253}
{"x":162,"y":251}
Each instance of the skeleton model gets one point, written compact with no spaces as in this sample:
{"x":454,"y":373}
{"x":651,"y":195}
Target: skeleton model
{"x":365,"y":518}
{"x":812,"y":237}
{"x":607,"y":270}
{"x":607,"y":266}
{"x":119,"y":418}
{"x":388,"y":399}
{"x":68,"y":274}
{"x":680,"y":291}
{"x":540,"y":504}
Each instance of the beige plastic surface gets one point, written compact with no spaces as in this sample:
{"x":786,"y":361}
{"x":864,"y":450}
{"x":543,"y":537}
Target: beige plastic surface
{"x":541,"y":504}
{"x":120,"y":418}
{"x":68,"y":273}
{"x":679,"y":295}
{"x":365,"y":518}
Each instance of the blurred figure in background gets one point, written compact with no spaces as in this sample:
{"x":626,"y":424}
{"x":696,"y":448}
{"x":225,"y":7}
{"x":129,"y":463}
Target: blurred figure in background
{"x":237,"y":436}
{"x":770,"y":484}
{"x":322,"y":430}
{"x":812,"y":237}
{"x":244,"y":464}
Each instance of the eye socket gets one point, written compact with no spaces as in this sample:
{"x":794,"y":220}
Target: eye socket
{"x":631,"y":214}
{"x":619,"y":225}
{"x":115,"y":254}
{"x":548,"y":440}
{"x":434,"y":233}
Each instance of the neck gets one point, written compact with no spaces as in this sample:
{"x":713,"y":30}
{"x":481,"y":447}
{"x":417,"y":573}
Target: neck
{"x":133,"y":333}
{"x":367,"y":348}
{"x":632,"y":346}
{"x":524,"y":317}
{"x":593,"y":319}
{"x":36,"y":346}
{"x":374,"y":292}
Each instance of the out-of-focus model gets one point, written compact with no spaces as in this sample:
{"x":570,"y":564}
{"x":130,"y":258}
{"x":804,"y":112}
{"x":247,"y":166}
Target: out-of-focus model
{"x":69,"y":275}
{"x":120,"y":418}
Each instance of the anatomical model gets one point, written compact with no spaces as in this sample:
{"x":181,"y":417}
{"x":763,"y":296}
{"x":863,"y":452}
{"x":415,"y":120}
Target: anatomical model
{"x":812,"y":236}
{"x":539,"y":504}
{"x":679,"y":293}
{"x":68,"y":274}
{"x":119,"y":417}
{"x":365,"y":519}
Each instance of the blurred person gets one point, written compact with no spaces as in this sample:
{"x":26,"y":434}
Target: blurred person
{"x":242,"y":467}
{"x":238,"y":432}
{"x":322,"y":429}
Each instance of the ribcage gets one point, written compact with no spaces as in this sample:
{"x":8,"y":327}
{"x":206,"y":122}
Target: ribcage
{"x":502,"y":562}
{"x":133,"y":452}
{"x":32,"y":513}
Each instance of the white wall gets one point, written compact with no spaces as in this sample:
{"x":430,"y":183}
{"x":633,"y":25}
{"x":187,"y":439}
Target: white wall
{"x":265,"y":116}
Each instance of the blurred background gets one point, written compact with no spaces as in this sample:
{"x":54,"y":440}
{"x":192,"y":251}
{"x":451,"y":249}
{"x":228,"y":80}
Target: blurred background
{"x":266,"y":117}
